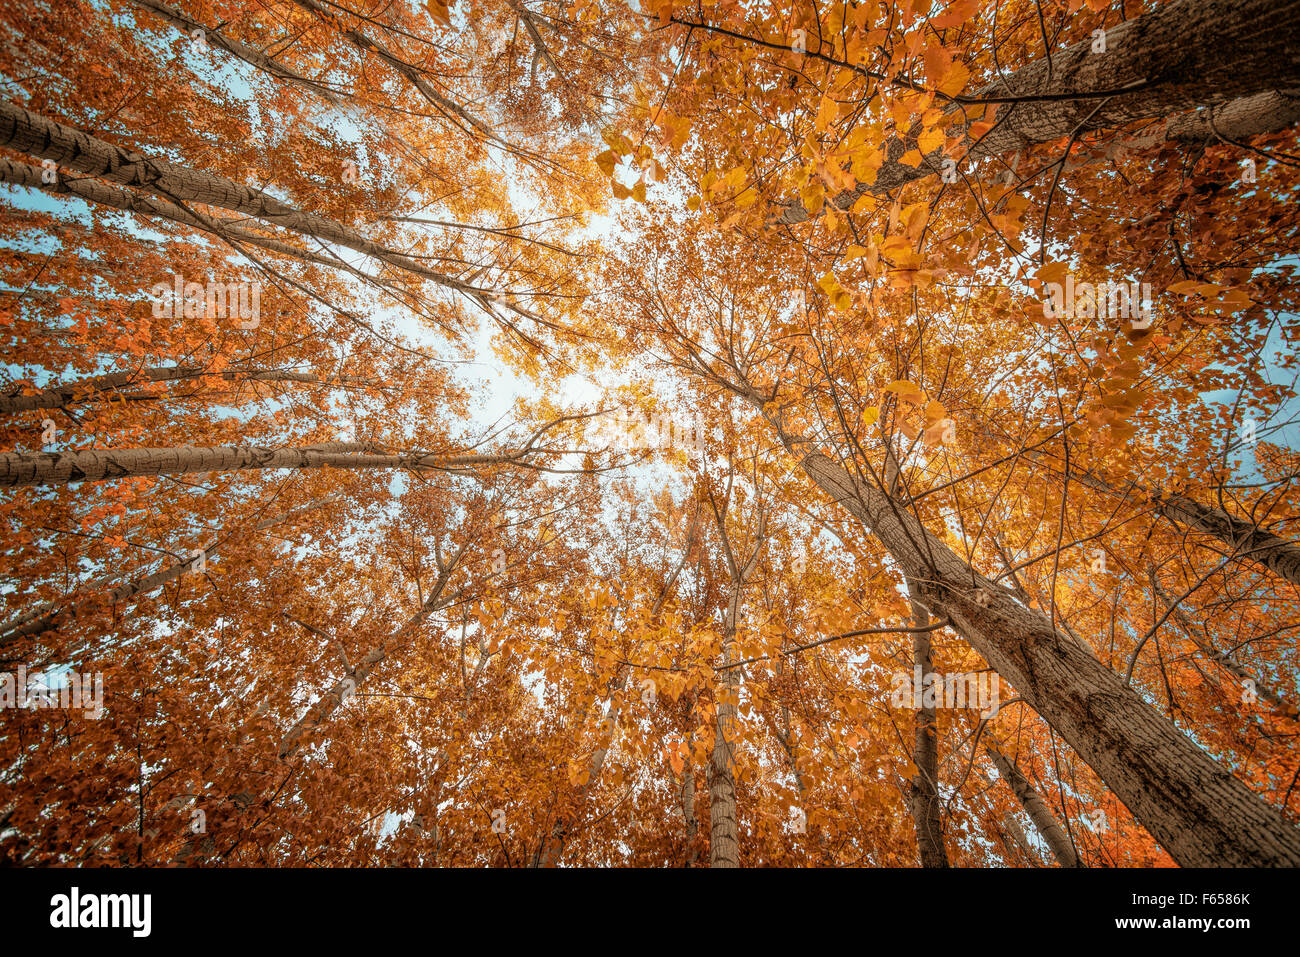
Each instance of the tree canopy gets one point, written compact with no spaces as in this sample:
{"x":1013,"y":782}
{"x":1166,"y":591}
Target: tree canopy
{"x":536,"y":433}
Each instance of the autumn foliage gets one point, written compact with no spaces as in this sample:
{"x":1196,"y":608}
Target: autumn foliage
{"x":529,"y":433}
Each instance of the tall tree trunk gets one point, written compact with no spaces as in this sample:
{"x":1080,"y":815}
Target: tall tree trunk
{"x":1017,"y":833}
{"x":97,"y":387}
{"x":39,"y":136}
{"x":1044,"y":820}
{"x":1183,"y":56}
{"x":923,"y":795}
{"x":90,"y":190}
{"x":1200,"y":813}
{"x":1230,"y":664}
{"x":724,"y":836}
{"x":688,"y":813}
{"x":60,"y":468}
{"x":1279,"y":555}
{"x":1239,"y":120}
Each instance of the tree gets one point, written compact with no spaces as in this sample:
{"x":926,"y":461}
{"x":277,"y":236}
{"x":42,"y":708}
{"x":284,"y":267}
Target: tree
{"x":897,"y":465}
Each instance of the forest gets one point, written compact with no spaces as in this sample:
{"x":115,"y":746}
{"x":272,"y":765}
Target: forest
{"x":649,"y":433}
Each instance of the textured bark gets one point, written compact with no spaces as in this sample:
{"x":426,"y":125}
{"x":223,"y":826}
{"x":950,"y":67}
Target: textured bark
{"x":60,"y":468}
{"x":1279,"y":555}
{"x":1017,"y":834}
{"x":724,"y":834}
{"x":1044,"y":820}
{"x":51,"y":616}
{"x":688,"y":814}
{"x":1239,"y":120}
{"x":98,"y":387}
{"x":1230,"y":664}
{"x":39,"y":136}
{"x":1184,"y":56}
{"x":1199,"y":812}
{"x":548,"y":853}
{"x":923,"y":794}
{"x":24,"y":174}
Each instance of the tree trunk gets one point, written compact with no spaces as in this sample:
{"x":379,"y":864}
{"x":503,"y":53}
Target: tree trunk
{"x":95,"y":388}
{"x":724,"y":836}
{"x":60,"y":468}
{"x":1230,"y":664}
{"x":1239,"y":120}
{"x":1013,"y":828}
{"x":923,"y":795}
{"x":23,"y":174}
{"x":1183,"y":56}
{"x":688,"y":813}
{"x":1200,"y":813}
{"x":38,"y":136}
{"x":1279,"y":555}
{"x":1044,"y":820}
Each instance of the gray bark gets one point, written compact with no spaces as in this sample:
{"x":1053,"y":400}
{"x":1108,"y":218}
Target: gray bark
{"x":1238,"y":120}
{"x":688,"y":813}
{"x":1182,"y":57}
{"x":923,"y":794}
{"x":97,"y":387}
{"x":724,"y":833}
{"x":1198,"y":811}
{"x":59,"y":468}
{"x":39,"y":136}
{"x":1279,"y":555}
{"x":1044,"y":820}
{"x":24,"y":174}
